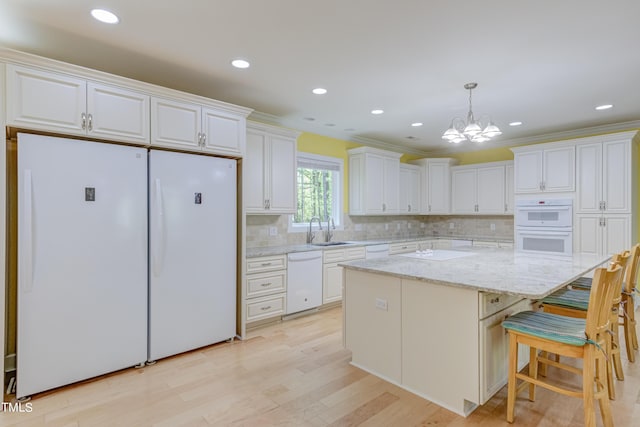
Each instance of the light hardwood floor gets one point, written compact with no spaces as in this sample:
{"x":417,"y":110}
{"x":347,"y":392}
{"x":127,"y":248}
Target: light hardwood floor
{"x":294,"y":373}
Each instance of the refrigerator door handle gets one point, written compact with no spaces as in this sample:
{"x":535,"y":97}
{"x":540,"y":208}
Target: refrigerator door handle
{"x":158,"y":246}
{"x":27,"y":243}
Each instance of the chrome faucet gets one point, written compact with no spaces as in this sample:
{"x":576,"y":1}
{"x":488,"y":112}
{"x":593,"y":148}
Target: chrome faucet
{"x":310,"y":234}
{"x":329,"y":235}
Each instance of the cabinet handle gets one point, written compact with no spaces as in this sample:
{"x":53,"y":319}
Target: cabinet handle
{"x":494,"y":300}
{"x":266,"y":284}
{"x":429,"y":208}
{"x":604,"y":205}
{"x":90,"y":122}
{"x":604,"y":222}
{"x":83,"y":116}
{"x":268,"y":203}
{"x":204,"y":140}
{"x":506,"y":208}
{"x":265,"y":308}
{"x":409,"y":207}
{"x":384,"y":207}
{"x":265,"y":264}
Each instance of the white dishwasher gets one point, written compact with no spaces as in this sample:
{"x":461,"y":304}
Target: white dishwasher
{"x":304,"y":281}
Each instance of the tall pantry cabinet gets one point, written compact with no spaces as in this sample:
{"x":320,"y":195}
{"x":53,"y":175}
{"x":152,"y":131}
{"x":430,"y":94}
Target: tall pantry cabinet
{"x":606,"y":196}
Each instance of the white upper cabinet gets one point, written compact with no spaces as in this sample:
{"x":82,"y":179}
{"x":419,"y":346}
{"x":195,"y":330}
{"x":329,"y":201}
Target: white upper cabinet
{"x":194,"y":127}
{"x":436,"y":185}
{"x":604,"y":177}
{"x":544,"y":168}
{"x":374,"y":181}
{"x":270,"y":170}
{"x":464,"y":191}
{"x":509,"y":193}
{"x":478,"y":190}
{"x":409,"y":193}
{"x":62,"y":103}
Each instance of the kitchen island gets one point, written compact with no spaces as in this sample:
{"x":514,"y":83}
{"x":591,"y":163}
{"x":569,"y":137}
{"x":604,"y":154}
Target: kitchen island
{"x":430,"y":322}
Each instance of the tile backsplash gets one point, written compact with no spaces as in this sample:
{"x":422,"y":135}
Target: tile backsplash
{"x":261,"y":227}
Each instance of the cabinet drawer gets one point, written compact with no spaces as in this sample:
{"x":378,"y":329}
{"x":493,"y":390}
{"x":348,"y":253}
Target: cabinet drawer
{"x":266,"y":283}
{"x":268,"y":263}
{"x":333,"y":255}
{"x":490,"y":303}
{"x":400,"y":248}
{"x":265,"y":307}
{"x":354,"y":253}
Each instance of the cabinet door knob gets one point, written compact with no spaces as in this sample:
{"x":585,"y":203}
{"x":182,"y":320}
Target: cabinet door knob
{"x":204,"y":139}
{"x":90,"y":122}
{"x":83,"y":116}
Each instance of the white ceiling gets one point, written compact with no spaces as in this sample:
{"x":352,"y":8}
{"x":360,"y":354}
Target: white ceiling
{"x":546,"y":63}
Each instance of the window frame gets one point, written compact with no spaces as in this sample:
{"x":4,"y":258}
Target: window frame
{"x":338,"y":189}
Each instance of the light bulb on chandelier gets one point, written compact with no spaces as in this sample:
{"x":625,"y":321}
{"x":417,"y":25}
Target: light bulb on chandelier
{"x":472,"y":130}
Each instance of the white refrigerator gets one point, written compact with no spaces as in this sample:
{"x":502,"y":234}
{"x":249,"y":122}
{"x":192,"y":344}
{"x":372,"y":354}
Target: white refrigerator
{"x":82,"y":260}
{"x":192,"y":242}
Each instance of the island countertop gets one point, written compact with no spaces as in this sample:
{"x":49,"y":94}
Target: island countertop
{"x":505,"y":271}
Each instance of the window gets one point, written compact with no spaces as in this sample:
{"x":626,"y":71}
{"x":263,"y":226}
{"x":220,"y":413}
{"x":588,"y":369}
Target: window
{"x":319,"y":190}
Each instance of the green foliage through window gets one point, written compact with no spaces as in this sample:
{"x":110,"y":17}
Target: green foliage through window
{"x":315,"y":194}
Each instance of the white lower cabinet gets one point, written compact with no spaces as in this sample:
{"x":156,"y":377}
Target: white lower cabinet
{"x":332,"y":273}
{"x":602,"y":234}
{"x":494,"y":348}
{"x":265,"y":288}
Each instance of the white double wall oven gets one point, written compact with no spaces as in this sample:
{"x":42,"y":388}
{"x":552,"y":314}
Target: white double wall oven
{"x":544,"y":226}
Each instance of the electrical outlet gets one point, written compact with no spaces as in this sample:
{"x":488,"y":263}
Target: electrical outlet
{"x":493,"y":227}
{"x":381,"y":304}
{"x":452,"y":226}
{"x":273,"y":231}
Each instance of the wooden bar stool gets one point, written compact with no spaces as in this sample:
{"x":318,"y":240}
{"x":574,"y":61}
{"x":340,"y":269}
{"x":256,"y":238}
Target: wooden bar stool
{"x":627,"y":306}
{"x":574,"y":303}
{"x":569,"y":337}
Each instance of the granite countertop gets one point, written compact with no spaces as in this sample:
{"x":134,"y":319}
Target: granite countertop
{"x":497,"y":270}
{"x":280,"y":250}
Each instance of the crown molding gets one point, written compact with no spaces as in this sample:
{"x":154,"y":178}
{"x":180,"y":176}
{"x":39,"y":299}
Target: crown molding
{"x":548,"y":137}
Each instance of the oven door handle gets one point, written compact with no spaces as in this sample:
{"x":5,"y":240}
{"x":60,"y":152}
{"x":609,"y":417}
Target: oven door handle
{"x":541,"y":209}
{"x":544,"y":233}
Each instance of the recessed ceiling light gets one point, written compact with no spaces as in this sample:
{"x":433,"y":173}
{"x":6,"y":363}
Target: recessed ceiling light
{"x":105,"y":16}
{"x":604,"y":107}
{"x":377,"y":111}
{"x":319,"y":91}
{"x":417,"y":124}
{"x":515,"y":123}
{"x":240,"y":63}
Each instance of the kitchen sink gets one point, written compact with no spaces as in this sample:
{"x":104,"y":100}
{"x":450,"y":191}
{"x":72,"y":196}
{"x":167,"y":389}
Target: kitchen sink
{"x":329,"y":243}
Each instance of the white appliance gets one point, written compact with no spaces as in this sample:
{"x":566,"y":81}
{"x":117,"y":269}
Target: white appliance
{"x":544,"y":226}
{"x":192,"y":241}
{"x":376,"y":251}
{"x":82,"y":260}
{"x":304,"y":281}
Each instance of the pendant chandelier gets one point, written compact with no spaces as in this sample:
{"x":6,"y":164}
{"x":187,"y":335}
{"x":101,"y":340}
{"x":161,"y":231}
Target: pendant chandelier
{"x":472,"y":130}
